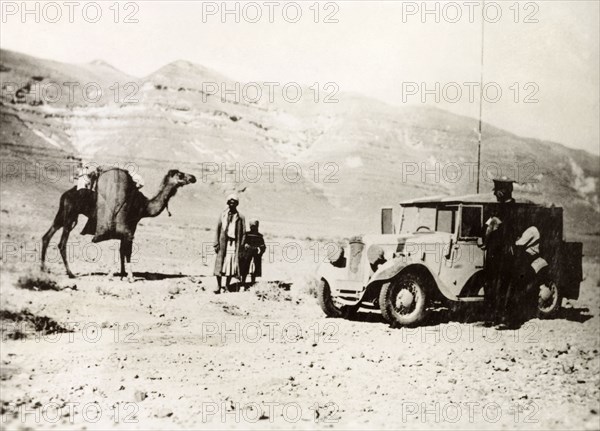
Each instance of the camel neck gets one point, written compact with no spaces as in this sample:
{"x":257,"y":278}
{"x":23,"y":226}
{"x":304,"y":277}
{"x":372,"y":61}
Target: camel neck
{"x":158,"y":203}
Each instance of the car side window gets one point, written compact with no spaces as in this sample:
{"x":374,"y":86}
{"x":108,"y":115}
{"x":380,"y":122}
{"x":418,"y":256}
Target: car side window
{"x":471,"y":222}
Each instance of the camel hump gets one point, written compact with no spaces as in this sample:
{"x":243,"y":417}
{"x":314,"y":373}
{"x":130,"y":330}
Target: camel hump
{"x":118,"y":174}
{"x":114,"y":205}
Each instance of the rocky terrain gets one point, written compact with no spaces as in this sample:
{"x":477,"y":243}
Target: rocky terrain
{"x":165,"y":352}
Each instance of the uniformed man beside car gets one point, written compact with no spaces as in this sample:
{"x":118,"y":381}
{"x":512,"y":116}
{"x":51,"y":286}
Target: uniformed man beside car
{"x":498,"y":267}
{"x":503,"y":189}
{"x":514,"y":267}
{"x":499,"y":259}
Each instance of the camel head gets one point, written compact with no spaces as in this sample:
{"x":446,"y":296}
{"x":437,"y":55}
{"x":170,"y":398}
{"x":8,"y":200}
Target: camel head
{"x":178,"y":179}
{"x":170,"y":184}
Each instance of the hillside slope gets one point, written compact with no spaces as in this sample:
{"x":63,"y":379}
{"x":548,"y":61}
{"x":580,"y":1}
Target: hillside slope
{"x":342,"y":160}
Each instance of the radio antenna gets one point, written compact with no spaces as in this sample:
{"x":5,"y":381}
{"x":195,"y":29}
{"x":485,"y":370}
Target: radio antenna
{"x":480,"y":96}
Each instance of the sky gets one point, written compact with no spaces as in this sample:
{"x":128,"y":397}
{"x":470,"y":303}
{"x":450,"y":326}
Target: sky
{"x":541,"y":58}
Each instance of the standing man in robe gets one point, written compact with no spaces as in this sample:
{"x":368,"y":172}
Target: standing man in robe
{"x":231,"y":228}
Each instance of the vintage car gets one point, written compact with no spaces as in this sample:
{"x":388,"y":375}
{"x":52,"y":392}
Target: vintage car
{"x":432,"y":254}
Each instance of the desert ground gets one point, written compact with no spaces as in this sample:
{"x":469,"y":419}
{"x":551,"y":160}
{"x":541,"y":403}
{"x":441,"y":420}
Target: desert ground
{"x":164,"y":352}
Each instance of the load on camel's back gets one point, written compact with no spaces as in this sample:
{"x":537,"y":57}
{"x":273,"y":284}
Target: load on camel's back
{"x":113,"y":210}
{"x":119,"y":206}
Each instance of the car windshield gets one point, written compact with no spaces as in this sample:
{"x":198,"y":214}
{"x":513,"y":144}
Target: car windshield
{"x":445,"y":220}
{"x":414,"y":218}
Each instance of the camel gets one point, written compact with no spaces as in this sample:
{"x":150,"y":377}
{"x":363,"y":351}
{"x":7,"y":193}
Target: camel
{"x":74,"y":202}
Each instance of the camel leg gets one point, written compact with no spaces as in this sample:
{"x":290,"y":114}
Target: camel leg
{"x":126,"y":250}
{"x":122,"y":256}
{"x":63,"y":218}
{"x":45,"y":242}
{"x":62,"y":246}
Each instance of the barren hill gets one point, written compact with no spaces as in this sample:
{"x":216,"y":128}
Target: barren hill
{"x":305,"y":168}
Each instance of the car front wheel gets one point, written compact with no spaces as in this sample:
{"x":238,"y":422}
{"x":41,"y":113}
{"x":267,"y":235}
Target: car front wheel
{"x":403,"y":301}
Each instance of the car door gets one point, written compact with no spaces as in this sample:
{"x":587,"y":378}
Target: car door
{"x":464,"y":259}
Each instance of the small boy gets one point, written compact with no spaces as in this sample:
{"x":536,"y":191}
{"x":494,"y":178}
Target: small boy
{"x":253,"y":247}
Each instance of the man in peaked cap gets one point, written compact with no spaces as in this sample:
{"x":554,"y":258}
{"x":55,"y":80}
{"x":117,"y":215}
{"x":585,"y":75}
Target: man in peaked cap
{"x":497,"y":268}
{"x":499,"y":258}
{"x":503,"y":188}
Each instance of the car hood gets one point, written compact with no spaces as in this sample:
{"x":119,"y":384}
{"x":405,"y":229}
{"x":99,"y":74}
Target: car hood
{"x":413,"y":238}
{"x":428,"y":243}
{"x":385,"y":239}
{"x":429,"y":238}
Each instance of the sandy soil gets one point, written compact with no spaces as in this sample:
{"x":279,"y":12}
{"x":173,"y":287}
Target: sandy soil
{"x":164,"y":352}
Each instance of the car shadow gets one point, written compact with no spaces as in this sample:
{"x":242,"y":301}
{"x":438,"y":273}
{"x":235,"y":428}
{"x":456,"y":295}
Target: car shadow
{"x":478,"y":315}
{"x":366,"y":317}
{"x":434,"y":317}
{"x":573,"y":314}
{"x":439,"y":316}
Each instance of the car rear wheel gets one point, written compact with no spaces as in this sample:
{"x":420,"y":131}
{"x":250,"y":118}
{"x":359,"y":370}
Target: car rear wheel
{"x":403,"y":301}
{"x":549,"y":300}
{"x":326,"y":301}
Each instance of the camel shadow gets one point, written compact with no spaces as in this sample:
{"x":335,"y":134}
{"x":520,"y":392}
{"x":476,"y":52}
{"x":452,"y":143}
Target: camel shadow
{"x":153,"y":276}
{"x":238,"y":286}
{"x":92,"y":274}
{"x":150,"y":276}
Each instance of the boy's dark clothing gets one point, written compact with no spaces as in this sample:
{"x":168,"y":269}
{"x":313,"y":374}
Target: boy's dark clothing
{"x":253,"y":248}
